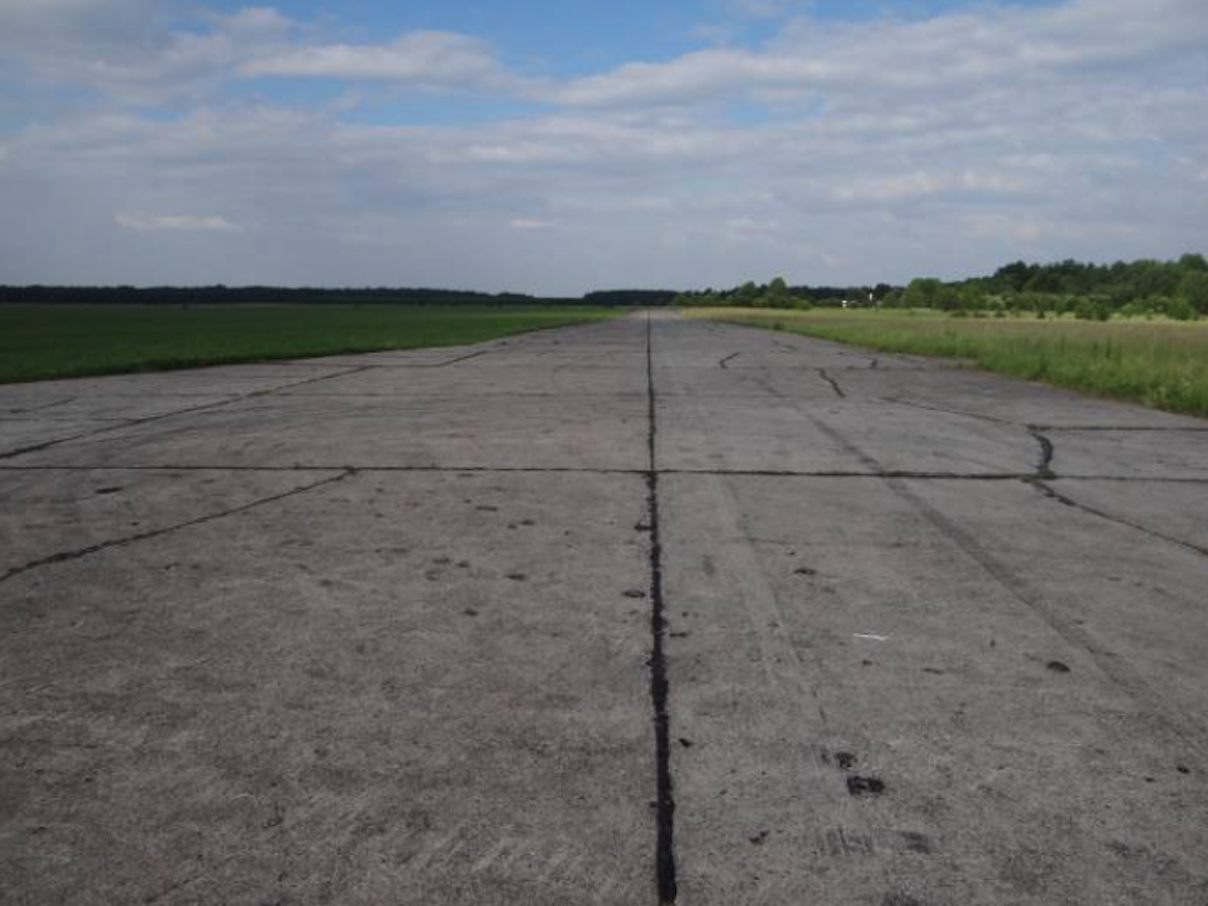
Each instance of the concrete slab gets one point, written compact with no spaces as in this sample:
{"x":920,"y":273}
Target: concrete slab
{"x":993,"y":397}
{"x":1172,"y":453}
{"x":56,"y":513}
{"x":25,"y":432}
{"x":1175,"y":510}
{"x":391,"y":688}
{"x":487,"y":377}
{"x":403,"y":431}
{"x":395,"y":629}
{"x":824,"y":634}
{"x":219,"y":381}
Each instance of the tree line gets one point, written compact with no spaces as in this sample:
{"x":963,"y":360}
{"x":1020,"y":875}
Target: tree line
{"x":1177,"y":289}
{"x":266,"y":295}
{"x":275,"y":295}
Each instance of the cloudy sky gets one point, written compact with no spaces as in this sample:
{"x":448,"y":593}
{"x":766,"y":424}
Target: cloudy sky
{"x":556,"y":147}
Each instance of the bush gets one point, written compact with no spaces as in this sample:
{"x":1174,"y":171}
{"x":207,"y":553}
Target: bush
{"x":1089,"y":310}
{"x":1180,"y":309}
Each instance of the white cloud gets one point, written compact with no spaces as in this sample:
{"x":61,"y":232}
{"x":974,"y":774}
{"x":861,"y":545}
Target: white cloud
{"x":428,"y":59}
{"x":254,"y":19}
{"x":126,"y":51}
{"x":529,"y":223}
{"x":760,"y":9}
{"x":921,"y":183}
{"x":173,"y":222}
{"x":891,"y":59}
{"x":833,"y":153}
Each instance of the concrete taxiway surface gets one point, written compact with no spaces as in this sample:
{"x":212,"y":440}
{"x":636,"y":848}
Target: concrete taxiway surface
{"x":640,"y":610}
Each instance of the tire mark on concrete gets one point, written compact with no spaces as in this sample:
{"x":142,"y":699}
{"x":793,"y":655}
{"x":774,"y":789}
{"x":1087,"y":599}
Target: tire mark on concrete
{"x":798,"y":705}
{"x":69,"y":555}
{"x":1180,"y":724}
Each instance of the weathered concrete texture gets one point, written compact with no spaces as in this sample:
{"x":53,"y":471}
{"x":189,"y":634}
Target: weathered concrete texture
{"x":253,"y":683}
{"x":378,"y":629}
{"x":59,"y":513}
{"x":392,"y":688}
{"x":901,"y":690}
{"x":821,"y":625}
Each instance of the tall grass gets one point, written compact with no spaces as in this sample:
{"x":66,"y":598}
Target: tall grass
{"x":1163,"y":364}
{"x":55,"y":341}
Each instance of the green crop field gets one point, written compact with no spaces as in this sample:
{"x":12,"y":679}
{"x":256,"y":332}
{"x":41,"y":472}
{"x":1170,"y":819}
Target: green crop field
{"x":1163,"y":364}
{"x":54,"y":341}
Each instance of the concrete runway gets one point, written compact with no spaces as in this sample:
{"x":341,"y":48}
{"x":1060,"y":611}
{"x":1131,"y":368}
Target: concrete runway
{"x":601,"y":615}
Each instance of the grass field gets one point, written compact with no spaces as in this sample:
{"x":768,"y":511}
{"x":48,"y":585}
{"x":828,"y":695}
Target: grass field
{"x":56,"y":341}
{"x":1161,"y":363}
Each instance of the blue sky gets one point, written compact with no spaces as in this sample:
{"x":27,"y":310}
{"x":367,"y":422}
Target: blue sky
{"x":560,"y":147}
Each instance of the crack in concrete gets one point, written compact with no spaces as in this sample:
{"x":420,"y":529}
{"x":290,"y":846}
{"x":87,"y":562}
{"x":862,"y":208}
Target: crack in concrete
{"x":1044,"y":468}
{"x":69,"y":555}
{"x":834,"y":385}
{"x":323,"y":467}
{"x":1183,"y":725}
{"x":1180,"y":724}
{"x":724,"y":362}
{"x":1053,"y":494}
{"x":1047,"y":452}
{"x":45,"y":445}
{"x":41,"y":408}
{"x":581,"y":470}
{"x":459,"y":359}
{"x":929,"y":407}
{"x":665,"y":872}
{"x":1187,"y":429}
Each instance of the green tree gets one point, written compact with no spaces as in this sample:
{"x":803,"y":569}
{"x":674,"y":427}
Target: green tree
{"x":1194,"y":289}
{"x":746,"y":295}
{"x":922,"y":292}
{"x":1179,"y":309}
{"x":777,"y":295}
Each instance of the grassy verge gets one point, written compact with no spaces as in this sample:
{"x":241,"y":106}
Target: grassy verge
{"x":1162,"y":363}
{"x":57,"y":341}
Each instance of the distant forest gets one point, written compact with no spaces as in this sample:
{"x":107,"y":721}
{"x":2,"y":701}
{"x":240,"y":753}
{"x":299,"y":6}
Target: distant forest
{"x":260,"y":295}
{"x":1176,"y":289}
{"x":270,"y":295}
